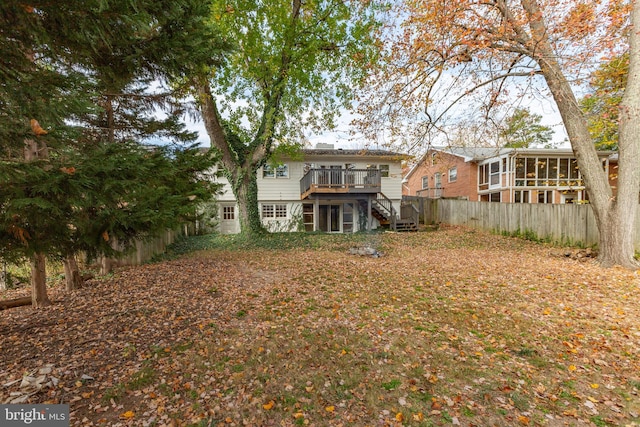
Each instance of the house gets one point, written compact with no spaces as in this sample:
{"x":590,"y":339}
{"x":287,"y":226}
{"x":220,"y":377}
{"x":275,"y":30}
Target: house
{"x":329,"y":190}
{"x":511,"y":175}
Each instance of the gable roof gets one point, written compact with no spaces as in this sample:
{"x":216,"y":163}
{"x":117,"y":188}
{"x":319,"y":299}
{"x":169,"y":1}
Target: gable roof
{"x":478,"y":154}
{"x":473,"y":154}
{"x":354,"y":153}
{"x":468,"y":154}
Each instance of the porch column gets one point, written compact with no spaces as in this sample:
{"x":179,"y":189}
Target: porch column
{"x":369,"y":217}
{"x":316,"y":213}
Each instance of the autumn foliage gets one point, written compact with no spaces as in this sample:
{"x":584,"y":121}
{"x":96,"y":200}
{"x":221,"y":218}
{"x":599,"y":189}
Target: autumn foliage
{"x":466,"y":60}
{"x":449,"y":327}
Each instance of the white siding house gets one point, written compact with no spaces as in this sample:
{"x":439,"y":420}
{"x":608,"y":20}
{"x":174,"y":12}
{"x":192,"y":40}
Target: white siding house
{"x":330,"y":190}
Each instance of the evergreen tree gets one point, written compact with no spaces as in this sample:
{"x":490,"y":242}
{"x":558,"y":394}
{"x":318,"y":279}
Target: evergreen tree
{"x":65,"y":59}
{"x":523,"y":130}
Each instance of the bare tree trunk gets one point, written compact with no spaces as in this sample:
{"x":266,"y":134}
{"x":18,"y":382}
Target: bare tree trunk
{"x":4,"y":277}
{"x":615,"y":215}
{"x":39,"y":297}
{"x":615,"y":239}
{"x":34,"y":150}
{"x":17,"y":302}
{"x":72,"y":276}
{"x":618,"y":242}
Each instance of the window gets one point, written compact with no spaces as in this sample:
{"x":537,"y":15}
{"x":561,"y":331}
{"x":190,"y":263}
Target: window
{"x":268,"y":172}
{"x":384,"y":171}
{"x":491,"y":197}
{"x":425,"y":182}
{"x":547,"y":172}
{"x":453,"y":174}
{"x":433,"y":159}
{"x":437,"y":179}
{"x":494,"y":179}
{"x":489,"y":175}
{"x":268,"y":211}
{"x":483,"y":177}
{"x":347,"y":218}
{"x":521,"y":171}
{"x":281,"y":211}
{"x":228,"y":213}
{"x":278,"y":211}
{"x":307,"y":216}
{"x":350,"y":178}
{"x":531,"y":171}
{"x":521,"y":196}
{"x":281,"y":171}
{"x":545,"y":196}
{"x":372,"y":177}
{"x":543,"y":171}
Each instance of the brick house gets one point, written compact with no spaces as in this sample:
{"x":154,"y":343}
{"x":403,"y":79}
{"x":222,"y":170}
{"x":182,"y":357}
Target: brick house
{"x":508,"y":175}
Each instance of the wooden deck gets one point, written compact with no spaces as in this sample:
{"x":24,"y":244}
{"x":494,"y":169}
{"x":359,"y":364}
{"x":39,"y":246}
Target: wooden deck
{"x":340,"y":181}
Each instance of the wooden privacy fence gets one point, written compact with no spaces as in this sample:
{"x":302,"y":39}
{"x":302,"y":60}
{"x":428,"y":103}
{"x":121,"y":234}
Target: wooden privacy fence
{"x":147,"y":249}
{"x":564,"y":223}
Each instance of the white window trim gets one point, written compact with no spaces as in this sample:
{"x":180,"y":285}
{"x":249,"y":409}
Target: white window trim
{"x":437,"y":180}
{"x":228,"y":209}
{"x":275,"y":211}
{"x":498,"y":174}
{"x":455,"y":178}
{"x":279,"y":172}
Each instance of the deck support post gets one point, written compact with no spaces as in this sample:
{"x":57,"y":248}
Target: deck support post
{"x":316,"y":213}
{"x":369,"y":216}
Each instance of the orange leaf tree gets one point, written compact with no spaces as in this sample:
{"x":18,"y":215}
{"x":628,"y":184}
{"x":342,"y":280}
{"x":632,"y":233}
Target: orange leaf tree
{"x":472,"y":50}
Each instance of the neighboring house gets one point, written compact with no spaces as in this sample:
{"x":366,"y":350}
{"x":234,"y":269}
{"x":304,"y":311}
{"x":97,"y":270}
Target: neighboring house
{"x":511,"y":175}
{"x":330,"y":190}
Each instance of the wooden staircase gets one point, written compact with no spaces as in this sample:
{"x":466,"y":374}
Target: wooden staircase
{"x":406,"y":225}
{"x":382,"y":209}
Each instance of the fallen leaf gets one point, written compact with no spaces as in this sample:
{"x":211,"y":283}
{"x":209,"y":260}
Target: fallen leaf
{"x":268,"y":406}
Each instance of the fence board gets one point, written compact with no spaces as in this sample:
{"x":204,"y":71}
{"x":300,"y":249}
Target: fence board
{"x":147,"y":249}
{"x":567,"y":223}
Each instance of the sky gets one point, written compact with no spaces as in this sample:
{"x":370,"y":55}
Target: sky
{"x":343,"y":135}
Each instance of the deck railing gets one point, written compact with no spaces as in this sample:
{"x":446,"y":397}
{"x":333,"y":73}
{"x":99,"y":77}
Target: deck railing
{"x":409,"y":210}
{"x":341,"y":180}
{"x":431,"y":193}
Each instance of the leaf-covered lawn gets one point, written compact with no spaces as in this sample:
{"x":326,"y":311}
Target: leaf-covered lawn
{"x":454,"y":327}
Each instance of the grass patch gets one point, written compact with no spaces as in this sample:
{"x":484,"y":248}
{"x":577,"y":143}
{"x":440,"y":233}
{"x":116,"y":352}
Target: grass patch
{"x":273,"y":241}
{"x":114,"y":393}
{"x":391,"y":385}
{"x":142,"y":378}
